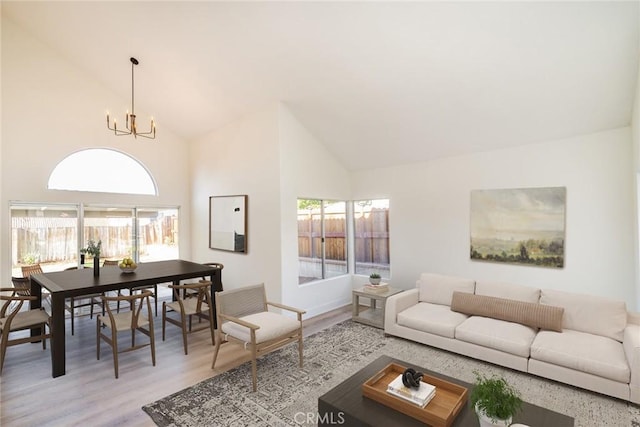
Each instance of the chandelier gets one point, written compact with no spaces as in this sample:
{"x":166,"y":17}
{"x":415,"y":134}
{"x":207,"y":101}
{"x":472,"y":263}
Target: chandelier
{"x":130,"y":123}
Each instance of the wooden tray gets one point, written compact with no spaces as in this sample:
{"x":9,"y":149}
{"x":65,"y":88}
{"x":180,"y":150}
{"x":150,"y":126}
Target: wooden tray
{"x":440,"y":412}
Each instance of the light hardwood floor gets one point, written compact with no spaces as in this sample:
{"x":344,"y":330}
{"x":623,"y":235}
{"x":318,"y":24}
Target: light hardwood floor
{"x":89,"y":394}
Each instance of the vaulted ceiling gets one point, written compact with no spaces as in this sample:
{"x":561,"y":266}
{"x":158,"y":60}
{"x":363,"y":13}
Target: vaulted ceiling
{"x":379,"y":83}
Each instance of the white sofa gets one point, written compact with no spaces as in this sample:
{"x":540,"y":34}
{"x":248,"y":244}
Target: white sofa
{"x":586,"y":341}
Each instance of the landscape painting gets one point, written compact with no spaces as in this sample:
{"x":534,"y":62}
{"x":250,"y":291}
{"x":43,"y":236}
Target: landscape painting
{"x":519,"y":226}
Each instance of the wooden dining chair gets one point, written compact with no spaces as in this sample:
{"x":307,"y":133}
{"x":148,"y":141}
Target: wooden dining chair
{"x":13,"y":319}
{"x":132,"y":320}
{"x":72,"y":303}
{"x":243,"y":316}
{"x":22,"y":285}
{"x":217,"y":266}
{"x":114,"y":263}
{"x":27,"y":271}
{"x":196,"y":303}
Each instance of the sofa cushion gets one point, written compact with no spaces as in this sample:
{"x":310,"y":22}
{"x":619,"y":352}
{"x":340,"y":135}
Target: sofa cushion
{"x":525,"y":313}
{"x":587,"y":313}
{"x":433,"y":318}
{"x":438,"y":289}
{"x":585,"y":352}
{"x":508,"y":290}
{"x":504,"y":336}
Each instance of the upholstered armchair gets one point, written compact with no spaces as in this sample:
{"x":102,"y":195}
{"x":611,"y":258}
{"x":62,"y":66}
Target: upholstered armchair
{"x":243,"y":316}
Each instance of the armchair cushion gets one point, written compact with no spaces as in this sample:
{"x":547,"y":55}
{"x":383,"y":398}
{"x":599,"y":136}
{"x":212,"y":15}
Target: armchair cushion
{"x":272,"y":325}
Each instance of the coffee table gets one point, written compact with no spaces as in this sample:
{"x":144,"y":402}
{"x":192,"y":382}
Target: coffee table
{"x":346,"y":402}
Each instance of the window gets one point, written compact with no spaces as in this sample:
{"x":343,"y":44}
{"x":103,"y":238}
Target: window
{"x":113,"y":226}
{"x":45,"y":234}
{"x":371,"y":235}
{"x":51,"y":235}
{"x":322,"y":239}
{"x":157,"y":233}
{"x":102,"y":170}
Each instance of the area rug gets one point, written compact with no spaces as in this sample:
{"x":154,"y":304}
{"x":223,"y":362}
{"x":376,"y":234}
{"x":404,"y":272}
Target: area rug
{"x":287,"y":394}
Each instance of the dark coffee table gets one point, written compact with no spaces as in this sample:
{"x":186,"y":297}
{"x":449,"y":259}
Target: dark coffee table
{"x":346,"y":405}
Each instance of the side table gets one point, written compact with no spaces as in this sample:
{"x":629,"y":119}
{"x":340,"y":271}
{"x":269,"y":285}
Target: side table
{"x":374,"y":315}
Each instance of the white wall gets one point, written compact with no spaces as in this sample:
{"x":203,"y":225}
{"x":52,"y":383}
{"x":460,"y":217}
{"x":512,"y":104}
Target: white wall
{"x":273,"y":159}
{"x":241,"y":158}
{"x":308,"y":170}
{"x":429,"y":212}
{"x":51,"y":108}
{"x":635,"y":136}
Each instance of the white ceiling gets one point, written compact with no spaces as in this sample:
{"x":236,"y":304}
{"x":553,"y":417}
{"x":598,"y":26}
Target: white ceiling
{"x":379,"y":83}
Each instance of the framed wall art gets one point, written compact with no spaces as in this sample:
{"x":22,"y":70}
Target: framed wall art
{"x":228,"y":223}
{"x":519,"y":226}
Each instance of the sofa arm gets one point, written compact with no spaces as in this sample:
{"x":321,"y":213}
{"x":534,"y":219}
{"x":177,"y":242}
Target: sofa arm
{"x":398,"y":303}
{"x":631,"y":345}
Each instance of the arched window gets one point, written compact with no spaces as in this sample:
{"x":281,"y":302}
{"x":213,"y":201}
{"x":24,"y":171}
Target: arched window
{"x":102,"y":170}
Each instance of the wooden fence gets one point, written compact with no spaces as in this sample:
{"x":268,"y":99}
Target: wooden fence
{"x":371,"y":236}
{"x":48,"y":240}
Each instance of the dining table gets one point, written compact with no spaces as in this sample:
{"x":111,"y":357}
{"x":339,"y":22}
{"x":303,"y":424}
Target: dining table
{"x":76,"y":283}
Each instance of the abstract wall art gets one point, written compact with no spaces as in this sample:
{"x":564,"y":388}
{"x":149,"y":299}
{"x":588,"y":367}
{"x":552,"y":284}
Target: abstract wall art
{"x":228,"y":223}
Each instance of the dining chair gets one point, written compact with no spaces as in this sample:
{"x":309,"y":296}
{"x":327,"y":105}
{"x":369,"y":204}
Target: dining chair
{"x":132,"y":320}
{"x":90,"y":300}
{"x":197,"y":302}
{"x":28,"y":270}
{"x":114,"y":263}
{"x":154,"y":294}
{"x":22,"y":285}
{"x":13,"y":319}
{"x":243,"y":316}
{"x":216,"y":265}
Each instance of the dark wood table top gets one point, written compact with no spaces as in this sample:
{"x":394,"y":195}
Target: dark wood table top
{"x":345,"y":401}
{"x":81,"y":282}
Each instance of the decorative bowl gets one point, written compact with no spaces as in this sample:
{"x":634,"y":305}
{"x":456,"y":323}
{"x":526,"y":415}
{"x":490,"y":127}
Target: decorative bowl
{"x":128,"y":269}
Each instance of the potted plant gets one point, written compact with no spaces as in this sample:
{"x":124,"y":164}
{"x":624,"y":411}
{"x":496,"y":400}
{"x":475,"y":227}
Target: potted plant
{"x":495,"y":400}
{"x":93,"y":249}
{"x":374,"y":278}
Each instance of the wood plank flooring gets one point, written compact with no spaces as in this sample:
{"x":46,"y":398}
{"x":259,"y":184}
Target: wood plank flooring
{"x":89,"y":394}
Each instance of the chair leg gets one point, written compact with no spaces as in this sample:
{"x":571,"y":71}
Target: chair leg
{"x":254,"y":369}
{"x":114,"y":348}
{"x":44,"y":331}
{"x":215,"y":352}
{"x":98,"y":337}
{"x":155,"y":297}
{"x":152,"y":344}
{"x":3,"y":348}
{"x":184,"y":331}
{"x":300,"y":350}
{"x":213,"y":330}
{"x":164,"y":318}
